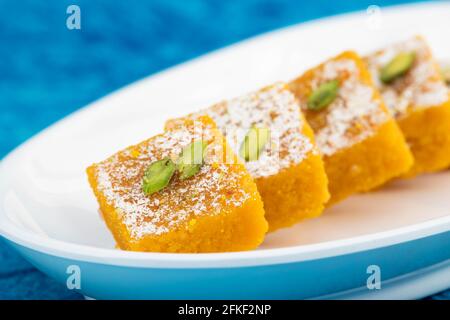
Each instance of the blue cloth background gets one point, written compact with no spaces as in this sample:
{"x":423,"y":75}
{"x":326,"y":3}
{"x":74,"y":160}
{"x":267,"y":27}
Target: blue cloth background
{"x":48,"y":71}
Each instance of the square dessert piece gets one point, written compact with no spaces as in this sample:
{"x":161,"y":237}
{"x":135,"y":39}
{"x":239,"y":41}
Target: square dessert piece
{"x":175,"y":193}
{"x":268,"y":131}
{"x":361,"y":143}
{"x":413,"y":89}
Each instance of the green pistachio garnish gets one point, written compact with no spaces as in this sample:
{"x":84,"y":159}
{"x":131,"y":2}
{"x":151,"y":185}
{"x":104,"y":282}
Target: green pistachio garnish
{"x":254,"y":143}
{"x":445,"y":72}
{"x":397,"y":67}
{"x":191,"y":159}
{"x":157,"y":176}
{"x":323,"y":95}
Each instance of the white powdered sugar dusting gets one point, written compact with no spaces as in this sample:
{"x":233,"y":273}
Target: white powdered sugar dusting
{"x":214,"y":187}
{"x":274,"y":108}
{"x":354,"y":115}
{"x":421,"y":87}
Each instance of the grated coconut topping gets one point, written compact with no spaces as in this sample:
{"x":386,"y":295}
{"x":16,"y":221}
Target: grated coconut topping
{"x":421,"y":87}
{"x":212,"y":189}
{"x":274,"y":108}
{"x":353,"y":116}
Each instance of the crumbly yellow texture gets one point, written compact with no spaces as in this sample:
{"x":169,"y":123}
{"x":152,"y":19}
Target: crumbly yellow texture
{"x":219,"y":227}
{"x":366,"y":164}
{"x":428,"y":134}
{"x":295,"y":192}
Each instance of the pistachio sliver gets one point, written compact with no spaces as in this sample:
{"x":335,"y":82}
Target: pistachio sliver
{"x":323,"y":95}
{"x":445,"y":72}
{"x":397,"y":67}
{"x":157,"y":176}
{"x":254,"y":143}
{"x":191,"y":159}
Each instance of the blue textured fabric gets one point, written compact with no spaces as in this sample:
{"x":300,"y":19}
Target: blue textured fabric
{"x":48,"y":71}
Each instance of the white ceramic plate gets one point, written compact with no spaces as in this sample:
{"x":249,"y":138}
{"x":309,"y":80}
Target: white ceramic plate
{"x":48,"y":212}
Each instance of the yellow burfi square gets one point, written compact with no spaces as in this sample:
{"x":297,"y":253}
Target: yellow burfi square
{"x":289,"y":171}
{"x":361,"y":144}
{"x":217,"y":209}
{"x":418,"y":99}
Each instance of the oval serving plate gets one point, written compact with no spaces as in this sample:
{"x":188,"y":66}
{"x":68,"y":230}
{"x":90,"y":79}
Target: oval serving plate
{"x":48,"y":213}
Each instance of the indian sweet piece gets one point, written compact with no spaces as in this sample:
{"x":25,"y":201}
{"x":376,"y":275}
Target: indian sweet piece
{"x":175,"y":193}
{"x":361,"y":143}
{"x":416,"y":94}
{"x":267,"y":130}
